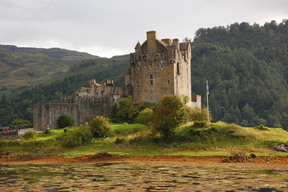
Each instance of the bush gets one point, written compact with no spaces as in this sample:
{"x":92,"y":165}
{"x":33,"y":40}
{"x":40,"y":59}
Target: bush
{"x":168,"y":115}
{"x":262,"y":128}
{"x":198,"y":114}
{"x":65,"y":121}
{"x":145,"y":116}
{"x":120,"y":141}
{"x":20,"y":122}
{"x":199,"y":124}
{"x":126,"y":109}
{"x":76,"y":137}
{"x":29,"y":135}
{"x":48,"y":131}
{"x":100,"y":127}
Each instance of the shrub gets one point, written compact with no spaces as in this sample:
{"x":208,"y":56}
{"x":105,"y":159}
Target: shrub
{"x":65,"y":121}
{"x":20,"y":122}
{"x":100,"y":127}
{"x":145,"y":116}
{"x":262,"y":128}
{"x":199,"y":124}
{"x":29,"y":135}
{"x":48,"y":131}
{"x":168,"y":115}
{"x":198,"y":114}
{"x":120,"y":141}
{"x":76,"y":137}
{"x":126,"y":109}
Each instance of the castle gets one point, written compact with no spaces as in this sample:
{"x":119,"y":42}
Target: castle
{"x":157,"y":68}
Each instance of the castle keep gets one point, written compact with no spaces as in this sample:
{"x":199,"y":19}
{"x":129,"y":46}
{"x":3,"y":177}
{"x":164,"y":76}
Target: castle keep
{"x":160,"y":67}
{"x":157,"y":68}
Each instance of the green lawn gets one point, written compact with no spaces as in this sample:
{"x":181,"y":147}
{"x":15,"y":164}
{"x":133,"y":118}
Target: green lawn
{"x":134,"y":140}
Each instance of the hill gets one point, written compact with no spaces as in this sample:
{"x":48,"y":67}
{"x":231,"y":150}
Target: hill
{"x":19,"y":103}
{"x":247,"y":69}
{"x":29,"y":66}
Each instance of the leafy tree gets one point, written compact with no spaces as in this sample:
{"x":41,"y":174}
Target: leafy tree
{"x":168,"y":115}
{"x":145,"y":116}
{"x":197,"y":114}
{"x":65,"y":121}
{"x":29,"y":135}
{"x":76,"y":137}
{"x":20,"y":122}
{"x":100,"y":127}
{"x":126,"y":109}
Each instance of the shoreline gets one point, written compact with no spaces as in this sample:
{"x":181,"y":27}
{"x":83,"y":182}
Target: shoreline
{"x":108,"y":158}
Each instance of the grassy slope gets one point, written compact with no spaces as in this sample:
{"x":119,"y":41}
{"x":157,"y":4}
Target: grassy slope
{"x":218,"y":139}
{"x":28,"y":66}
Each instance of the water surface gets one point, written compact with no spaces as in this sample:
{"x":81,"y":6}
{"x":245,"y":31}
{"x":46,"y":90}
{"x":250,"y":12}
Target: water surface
{"x":140,"y":177}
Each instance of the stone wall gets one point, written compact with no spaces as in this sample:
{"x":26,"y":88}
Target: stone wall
{"x":81,"y":109}
{"x":160,"y":67}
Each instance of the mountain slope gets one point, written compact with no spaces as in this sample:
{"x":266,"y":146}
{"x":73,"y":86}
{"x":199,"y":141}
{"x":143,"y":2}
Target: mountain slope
{"x":29,"y":66}
{"x":247,"y":68}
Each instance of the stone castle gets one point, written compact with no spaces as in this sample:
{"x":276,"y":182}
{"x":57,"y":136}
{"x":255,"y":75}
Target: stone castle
{"x":157,"y":68}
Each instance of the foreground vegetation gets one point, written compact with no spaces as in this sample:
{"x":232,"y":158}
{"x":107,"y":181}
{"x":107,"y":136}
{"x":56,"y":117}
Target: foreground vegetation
{"x":215,"y":139}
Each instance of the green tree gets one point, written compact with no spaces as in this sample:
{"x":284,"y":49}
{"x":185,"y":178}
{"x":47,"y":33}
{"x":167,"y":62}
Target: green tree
{"x":29,"y":135}
{"x":145,"y":116}
{"x":198,"y":114}
{"x":100,"y":127}
{"x":65,"y":121}
{"x":76,"y":137}
{"x":126,"y":109}
{"x":20,"y":122}
{"x":168,"y":115}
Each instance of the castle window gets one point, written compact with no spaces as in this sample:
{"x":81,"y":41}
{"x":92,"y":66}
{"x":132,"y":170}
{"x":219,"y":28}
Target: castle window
{"x":151,"y":80}
{"x":178,"y":69}
{"x":168,"y":82}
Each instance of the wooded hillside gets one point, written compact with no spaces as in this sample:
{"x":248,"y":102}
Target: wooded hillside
{"x":247,"y":68}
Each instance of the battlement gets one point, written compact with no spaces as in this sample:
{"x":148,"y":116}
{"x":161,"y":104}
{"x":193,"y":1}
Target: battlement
{"x":94,"y":89}
{"x":160,"y":67}
{"x":165,"y":50}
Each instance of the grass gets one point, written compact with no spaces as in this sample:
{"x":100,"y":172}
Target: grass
{"x":128,"y":129}
{"x":135,"y":140}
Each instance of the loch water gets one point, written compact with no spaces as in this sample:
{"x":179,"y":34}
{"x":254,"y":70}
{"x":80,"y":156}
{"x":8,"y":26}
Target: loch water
{"x":141,"y":176}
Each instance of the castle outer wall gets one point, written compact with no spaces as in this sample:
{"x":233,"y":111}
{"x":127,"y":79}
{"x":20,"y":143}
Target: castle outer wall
{"x":81,"y":109}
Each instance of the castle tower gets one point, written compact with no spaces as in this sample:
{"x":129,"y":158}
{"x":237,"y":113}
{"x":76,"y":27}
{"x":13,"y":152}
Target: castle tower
{"x":159,"y":67}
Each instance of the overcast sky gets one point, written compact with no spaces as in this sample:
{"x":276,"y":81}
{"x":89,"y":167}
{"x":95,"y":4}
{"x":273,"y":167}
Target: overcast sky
{"x":113,"y":27}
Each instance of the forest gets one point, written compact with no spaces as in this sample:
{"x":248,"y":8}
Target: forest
{"x":246,"y":66}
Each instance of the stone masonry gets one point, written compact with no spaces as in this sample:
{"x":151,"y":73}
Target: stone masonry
{"x":161,"y":67}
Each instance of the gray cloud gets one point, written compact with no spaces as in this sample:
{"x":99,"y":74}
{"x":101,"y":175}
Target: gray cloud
{"x":109,"y":27}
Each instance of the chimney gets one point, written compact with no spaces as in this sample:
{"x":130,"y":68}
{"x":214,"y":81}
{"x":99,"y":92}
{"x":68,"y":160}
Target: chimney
{"x":151,"y":42}
{"x":176,"y":43}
